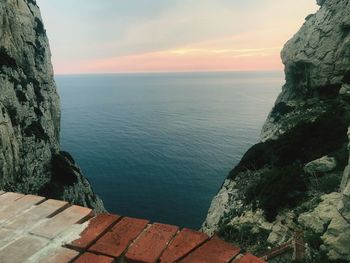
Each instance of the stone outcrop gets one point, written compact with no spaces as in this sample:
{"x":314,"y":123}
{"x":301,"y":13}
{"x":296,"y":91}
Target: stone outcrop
{"x":337,"y":236}
{"x":322,"y":215}
{"x":30,"y":111}
{"x":297,"y":169}
{"x":323,"y":165}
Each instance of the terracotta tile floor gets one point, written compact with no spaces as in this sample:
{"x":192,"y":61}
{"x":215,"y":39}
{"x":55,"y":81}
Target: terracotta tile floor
{"x":34,"y":229}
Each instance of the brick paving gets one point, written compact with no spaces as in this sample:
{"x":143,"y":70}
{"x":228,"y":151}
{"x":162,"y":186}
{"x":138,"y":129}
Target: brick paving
{"x":33,"y":229}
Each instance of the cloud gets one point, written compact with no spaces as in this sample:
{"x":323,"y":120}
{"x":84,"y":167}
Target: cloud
{"x":86,"y":32}
{"x":227,"y":51}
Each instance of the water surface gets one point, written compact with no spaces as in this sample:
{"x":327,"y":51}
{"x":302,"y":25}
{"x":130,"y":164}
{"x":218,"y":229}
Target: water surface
{"x":159,"y":146}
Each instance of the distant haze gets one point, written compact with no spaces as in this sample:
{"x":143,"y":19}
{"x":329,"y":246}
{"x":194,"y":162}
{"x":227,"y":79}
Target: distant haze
{"x":89,"y":36}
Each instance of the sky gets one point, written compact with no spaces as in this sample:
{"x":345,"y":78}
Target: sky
{"x":110,"y":36}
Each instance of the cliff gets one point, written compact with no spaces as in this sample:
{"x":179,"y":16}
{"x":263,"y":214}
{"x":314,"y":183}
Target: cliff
{"x":30,"y":157}
{"x":297,"y":176}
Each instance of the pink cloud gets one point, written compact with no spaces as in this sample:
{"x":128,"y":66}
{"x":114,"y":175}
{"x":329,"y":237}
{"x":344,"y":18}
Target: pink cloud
{"x":256,"y":48}
{"x":182,"y":60}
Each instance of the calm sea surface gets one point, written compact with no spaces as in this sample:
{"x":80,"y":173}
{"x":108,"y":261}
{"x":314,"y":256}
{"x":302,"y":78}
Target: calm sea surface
{"x":159,"y":146}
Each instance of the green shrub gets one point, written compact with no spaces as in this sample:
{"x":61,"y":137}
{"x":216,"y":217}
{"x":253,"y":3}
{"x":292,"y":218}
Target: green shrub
{"x":39,"y":27}
{"x":63,"y":169}
{"x":12,"y":112}
{"x":309,"y":205}
{"x":280,"y":109}
{"x":276,"y":189}
{"x":247,"y":237}
{"x":316,"y":255}
{"x":6,"y":59}
{"x":329,"y":183}
{"x":21,"y":96}
{"x":36,"y":129}
{"x":313,"y":239}
{"x":306,"y":142}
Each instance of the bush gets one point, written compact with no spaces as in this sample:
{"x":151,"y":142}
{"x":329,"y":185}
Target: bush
{"x":329,"y":183}
{"x":63,"y":169}
{"x":6,"y":59}
{"x":39,"y":27}
{"x":12,"y":112}
{"x":246,"y":236}
{"x":276,"y":189}
{"x":306,"y":142}
{"x":36,"y":129}
{"x":313,"y":239}
{"x":21,"y":96}
{"x":64,"y":175}
{"x":280,"y":109}
{"x":316,"y":255}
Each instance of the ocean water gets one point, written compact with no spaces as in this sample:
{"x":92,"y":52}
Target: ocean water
{"x":159,"y":146}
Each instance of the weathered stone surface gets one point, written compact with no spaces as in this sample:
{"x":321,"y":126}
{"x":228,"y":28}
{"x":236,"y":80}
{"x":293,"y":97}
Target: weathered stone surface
{"x":97,"y":226}
{"x":321,"y":165}
{"x":19,"y":206}
{"x":7,"y":200}
{"x":316,"y":60}
{"x":30,"y":113}
{"x":306,"y":128}
{"x":337,"y":236}
{"x":322,"y":215}
{"x":29,"y":123}
{"x":35,"y":214}
{"x":344,"y":204}
{"x":219,"y":206}
{"x":337,"y":239}
{"x":60,"y":255}
{"x":59,"y":223}
{"x":22,"y":249}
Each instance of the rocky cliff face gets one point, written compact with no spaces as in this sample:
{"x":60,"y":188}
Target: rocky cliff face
{"x":291,"y":179}
{"x":30,"y":161}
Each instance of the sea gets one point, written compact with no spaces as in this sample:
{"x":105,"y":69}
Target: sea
{"x":159,"y":145}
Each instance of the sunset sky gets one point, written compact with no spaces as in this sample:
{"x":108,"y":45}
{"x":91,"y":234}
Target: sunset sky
{"x":91,"y":36}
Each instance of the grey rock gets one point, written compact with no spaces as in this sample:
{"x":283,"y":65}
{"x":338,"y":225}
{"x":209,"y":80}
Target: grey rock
{"x":219,"y":206}
{"x":337,"y":236}
{"x":346,"y":175}
{"x":344,"y":204}
{"x":320,"y":2}
{"x":345,"y":178}
{"x":306,"y":125}
{"x":29,"y":104}
{"x":337,"y":239}
{"x":322,"y":215}
{"x":29,"y":101}
{"x":343,"y":91}
{"x":323,"y":165}
{"x":316,"y":59}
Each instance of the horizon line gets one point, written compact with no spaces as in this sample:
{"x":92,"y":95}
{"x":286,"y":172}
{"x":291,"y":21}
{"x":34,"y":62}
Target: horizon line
{"x":167,"y":72}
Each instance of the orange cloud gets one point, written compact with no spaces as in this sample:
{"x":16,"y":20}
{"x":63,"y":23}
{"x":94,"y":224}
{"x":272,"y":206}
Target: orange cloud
{"x":212,"y":35}
{"x":183,"y":59}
